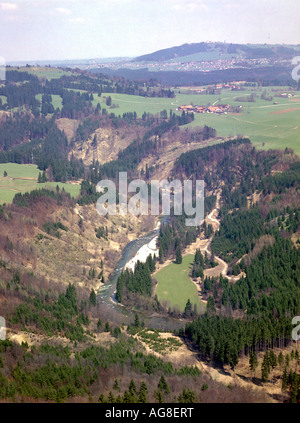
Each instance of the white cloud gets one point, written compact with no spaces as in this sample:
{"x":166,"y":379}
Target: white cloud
{"x":8,"y":6}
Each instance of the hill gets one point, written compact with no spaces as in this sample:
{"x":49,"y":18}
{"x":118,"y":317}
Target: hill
{"x":250,"y":51}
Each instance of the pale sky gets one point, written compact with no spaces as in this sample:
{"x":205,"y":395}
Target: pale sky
{"x":77,"y":29}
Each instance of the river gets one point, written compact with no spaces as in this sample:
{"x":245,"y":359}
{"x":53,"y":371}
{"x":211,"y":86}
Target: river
{"x":107,"y":293}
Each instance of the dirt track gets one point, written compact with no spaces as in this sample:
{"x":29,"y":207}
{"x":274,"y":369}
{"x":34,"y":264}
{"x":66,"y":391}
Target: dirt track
{"x":222,"y":267}
{"x":280,"y":112}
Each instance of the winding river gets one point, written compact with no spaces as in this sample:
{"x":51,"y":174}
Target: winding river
{"x":107,"y":293}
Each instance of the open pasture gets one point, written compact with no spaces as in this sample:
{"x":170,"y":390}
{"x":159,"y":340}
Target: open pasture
{"x":24,"y":178}
{"x":175,"y":286}
{"x":268,"y":125}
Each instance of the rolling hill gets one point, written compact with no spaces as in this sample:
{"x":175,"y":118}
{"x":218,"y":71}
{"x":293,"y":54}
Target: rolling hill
{"x":249,"y":51}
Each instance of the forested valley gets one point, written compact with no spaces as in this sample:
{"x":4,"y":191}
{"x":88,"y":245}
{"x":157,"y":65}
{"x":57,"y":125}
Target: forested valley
{"x":79,"y":349}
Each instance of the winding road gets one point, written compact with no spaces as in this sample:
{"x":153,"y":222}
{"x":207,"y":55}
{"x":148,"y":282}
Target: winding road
{"x":222,"y":267}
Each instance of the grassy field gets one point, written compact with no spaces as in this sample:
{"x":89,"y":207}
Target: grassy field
{"x":44,"y":72}
{"x":131,"y":103}
{"x":56,"y":100}
{"x":23,"y":178}
{"x":175,"y":286}
{"x":268,"y":125}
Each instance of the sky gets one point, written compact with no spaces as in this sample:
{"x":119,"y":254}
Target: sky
{"x":83,"y":29}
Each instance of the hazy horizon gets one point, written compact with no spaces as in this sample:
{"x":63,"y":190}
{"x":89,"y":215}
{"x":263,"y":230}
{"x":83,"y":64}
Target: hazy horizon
{"x":58,"y":30}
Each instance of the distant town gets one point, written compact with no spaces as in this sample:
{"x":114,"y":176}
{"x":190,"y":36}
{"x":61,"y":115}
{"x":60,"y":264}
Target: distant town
{"x":189,"y":65}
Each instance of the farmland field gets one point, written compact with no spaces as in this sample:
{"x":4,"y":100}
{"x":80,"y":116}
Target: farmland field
{"x":175,"y":286}
{"x":131,"y":103}
{"x":23,"y":178}
{"x":268,"y":125}
{"x":56,"y":100}
{"x":45,"y":72}
{"x":257,"y":120}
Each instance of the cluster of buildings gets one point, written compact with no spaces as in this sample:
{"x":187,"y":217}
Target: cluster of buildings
{"x":204,"y":65}
{"x":182,"y":64}
{"x":285,"y":95}
{"x":215,"y":88}
{"x":219,"y":109}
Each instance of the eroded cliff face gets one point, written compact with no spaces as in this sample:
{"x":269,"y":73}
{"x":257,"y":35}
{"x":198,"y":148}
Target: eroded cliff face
{"x":59,"y":242}
{"x":104,"y":144}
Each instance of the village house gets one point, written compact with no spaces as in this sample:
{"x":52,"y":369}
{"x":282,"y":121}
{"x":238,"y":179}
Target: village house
{"x":219,"y":109}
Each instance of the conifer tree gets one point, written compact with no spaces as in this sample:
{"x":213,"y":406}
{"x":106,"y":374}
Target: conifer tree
{"x":163,"y":386}
{"x":178,"y":255}
{"x":132,"y":387}
{"x":210,"y":307}
{"x":265,"y":367}
{"x":284,"y":379}
{"x":161,"y":255}
{"x":101,"y":399}
{"x":273,"y":359}
{"x":136,"y":321}
{"x":93,"y":298}
{"x":116,"y":385}
{"x":44,"y":177}
{"x":280,"y":358}
{"x":142,"y":398}
{"x":253,"y":362}
{"x":159,"y":396}
{"x":110,"y":398}
{"x":99,"y":324}
{"x":188,"y":308}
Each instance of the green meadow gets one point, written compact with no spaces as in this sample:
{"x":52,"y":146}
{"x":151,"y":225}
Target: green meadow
{"x":268,"y":125}
{"x":44,"y":72}
{"x":175,"y":285}
{"x":24,"y":178}
{"x":56,"y":100}
{"x":130,"y":103}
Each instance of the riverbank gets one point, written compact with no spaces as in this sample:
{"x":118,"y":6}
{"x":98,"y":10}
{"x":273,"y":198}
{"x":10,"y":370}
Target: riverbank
{"x":143,"y":253}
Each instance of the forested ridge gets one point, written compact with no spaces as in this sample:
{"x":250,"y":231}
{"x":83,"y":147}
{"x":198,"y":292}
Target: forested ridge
{"x":22,"y":86}
{"x":237,"y":233}
{"x":254,"y":313}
